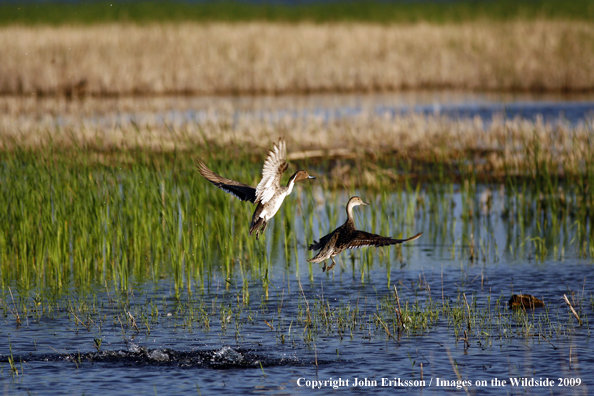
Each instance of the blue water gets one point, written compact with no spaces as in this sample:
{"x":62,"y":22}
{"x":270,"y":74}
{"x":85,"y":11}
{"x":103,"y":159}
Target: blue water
{"x":572,"y":112}
{"x":572,"y":109}
{"x":370,"y":354}
{"x":569,"y":110}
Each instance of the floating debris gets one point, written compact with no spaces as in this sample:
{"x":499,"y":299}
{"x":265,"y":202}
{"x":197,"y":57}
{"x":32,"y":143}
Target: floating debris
{"x":572,"y":310}
{"x":525,"y":301}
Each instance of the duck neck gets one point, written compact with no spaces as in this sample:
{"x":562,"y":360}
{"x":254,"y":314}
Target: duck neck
{"x":291,"y":184}
{"x":349,"y":211}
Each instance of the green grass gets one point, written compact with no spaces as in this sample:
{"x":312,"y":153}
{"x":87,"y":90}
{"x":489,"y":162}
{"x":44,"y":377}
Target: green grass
{"x":69,"y":222}
{"x":75,"y":226}
{"x":131,"y":244}
{"x":85,"y":215}
{"x":92,"y":12}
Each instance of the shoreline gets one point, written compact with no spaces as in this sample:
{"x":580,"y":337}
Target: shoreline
{"x":71,"y":94}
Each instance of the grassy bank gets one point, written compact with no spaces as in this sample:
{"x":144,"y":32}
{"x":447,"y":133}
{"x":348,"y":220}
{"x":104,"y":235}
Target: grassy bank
{"x":92,"y":12}
{"x":266,"y":58}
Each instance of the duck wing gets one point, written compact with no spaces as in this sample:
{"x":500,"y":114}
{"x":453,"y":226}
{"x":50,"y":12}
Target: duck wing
{"x":274,"y":167}
{"x":362,"y":239}
{"x":322,"y":242}
{"x":327,"y":245}
{"x":242,"y":191}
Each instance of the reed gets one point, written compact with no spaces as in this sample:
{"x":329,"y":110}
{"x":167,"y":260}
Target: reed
{"x":272,"y":58}
{"x":73,"y":221}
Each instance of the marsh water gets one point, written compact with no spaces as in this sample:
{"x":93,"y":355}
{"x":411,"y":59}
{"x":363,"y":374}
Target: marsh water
{"x":272,"y":323}
{"x":568,"y":108}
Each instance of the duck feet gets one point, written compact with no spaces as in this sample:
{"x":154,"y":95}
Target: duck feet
{"x":330,"y":267}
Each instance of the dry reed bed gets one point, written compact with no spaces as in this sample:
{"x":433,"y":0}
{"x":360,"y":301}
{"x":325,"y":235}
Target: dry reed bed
{"x":502,"y":146}
{"x":261,"y":57}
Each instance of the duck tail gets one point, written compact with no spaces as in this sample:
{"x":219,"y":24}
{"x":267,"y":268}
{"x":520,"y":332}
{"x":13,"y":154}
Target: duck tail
{"x":255,"y":224}
{"x":259,"y":226}
{"x":257,"y":221}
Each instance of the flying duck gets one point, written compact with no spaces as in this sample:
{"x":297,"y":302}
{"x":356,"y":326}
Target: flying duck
{"x":348,"y":237}
{"x":269,"y":194}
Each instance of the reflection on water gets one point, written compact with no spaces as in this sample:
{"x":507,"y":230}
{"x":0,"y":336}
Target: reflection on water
{"x":480,"y":245}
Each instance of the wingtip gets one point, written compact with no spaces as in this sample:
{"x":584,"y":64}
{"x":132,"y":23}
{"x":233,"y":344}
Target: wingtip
{"x":206,"y":172}
{"x":200,"y":166}
{"x":200,"y":163}
{"x":282,"y":145}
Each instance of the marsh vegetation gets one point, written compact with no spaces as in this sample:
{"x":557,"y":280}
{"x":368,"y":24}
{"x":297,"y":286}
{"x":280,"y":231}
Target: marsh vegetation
{"x":274,"y":58}
{"x":115,"y":253}
{"x":109,"y":233}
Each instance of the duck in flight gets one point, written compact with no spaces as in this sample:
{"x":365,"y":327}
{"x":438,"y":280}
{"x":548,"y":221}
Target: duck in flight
{"x":269,"y":194}
{"x":348,"y":237}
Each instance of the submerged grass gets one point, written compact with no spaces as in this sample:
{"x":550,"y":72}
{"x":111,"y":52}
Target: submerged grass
{"x":473,"y":320}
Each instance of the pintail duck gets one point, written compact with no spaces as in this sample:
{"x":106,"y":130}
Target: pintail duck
{"x":269,"y":194}
{"x":348,"y":237}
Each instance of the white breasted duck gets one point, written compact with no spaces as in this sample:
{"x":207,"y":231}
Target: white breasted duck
{"x":269,"y":194}
{"x":348,"y":237}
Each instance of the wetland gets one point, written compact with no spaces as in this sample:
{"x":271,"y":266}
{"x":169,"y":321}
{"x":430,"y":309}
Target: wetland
{"x":123,"y":270}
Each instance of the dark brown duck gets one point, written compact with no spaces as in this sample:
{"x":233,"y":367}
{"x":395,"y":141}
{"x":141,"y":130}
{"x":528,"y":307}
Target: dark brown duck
{"x":348,"y":237}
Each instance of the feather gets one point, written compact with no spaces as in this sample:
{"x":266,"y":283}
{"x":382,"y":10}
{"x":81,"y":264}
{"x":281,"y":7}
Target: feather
{"x":242,"y":191}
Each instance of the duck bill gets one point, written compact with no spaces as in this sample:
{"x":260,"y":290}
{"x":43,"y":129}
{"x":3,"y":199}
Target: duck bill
{"x":311,"y":177}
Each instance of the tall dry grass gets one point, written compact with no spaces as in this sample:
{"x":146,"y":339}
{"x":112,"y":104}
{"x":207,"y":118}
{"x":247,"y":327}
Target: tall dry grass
{"x":206,"y":127}
{"x":264,"y":57}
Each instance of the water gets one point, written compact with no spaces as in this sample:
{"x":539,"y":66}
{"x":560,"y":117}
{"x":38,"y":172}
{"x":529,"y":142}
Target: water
{"x":210,"y":341}
{"x":178,"y":360}
{"x":456,"y":105}
{"x":574,"y":109}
